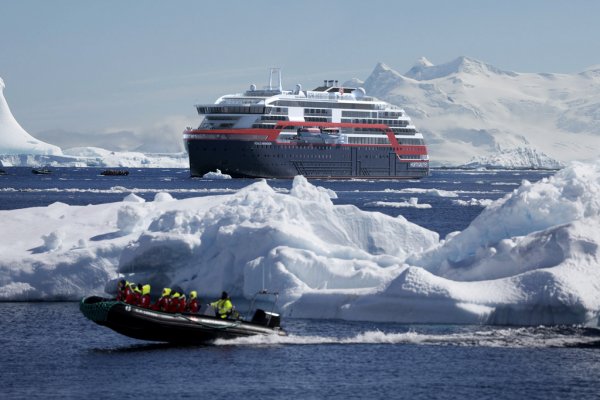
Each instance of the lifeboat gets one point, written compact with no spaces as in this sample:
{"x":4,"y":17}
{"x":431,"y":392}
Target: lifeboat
{"x":184,"y":328}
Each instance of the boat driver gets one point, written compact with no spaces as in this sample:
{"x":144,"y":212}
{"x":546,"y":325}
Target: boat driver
{"x":223,"y":306}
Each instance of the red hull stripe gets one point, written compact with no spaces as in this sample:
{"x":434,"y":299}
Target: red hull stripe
{"x":272,"y":134}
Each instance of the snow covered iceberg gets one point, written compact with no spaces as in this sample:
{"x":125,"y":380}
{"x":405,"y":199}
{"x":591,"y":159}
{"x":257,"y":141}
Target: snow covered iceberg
{"x":297,"y":241}
{"x":14,"y":139}
{"x":79,"y":157}
{"x":529,"y":258}
{"x":516,"y":158}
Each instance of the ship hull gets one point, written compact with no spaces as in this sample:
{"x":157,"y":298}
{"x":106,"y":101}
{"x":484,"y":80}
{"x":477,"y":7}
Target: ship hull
{"x":247,"y":159}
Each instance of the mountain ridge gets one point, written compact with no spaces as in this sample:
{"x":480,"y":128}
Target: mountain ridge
{"x":467,"y":108}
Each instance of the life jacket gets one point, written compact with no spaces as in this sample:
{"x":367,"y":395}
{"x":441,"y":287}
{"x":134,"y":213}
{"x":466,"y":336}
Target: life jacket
{"x":223,"y":307}
{"x":145,"y":298}
{"x":137,"y":293}
{"x":162,"y":304}
{"x":174,"y":303}
{"x":192,"y":306}
{"x":130,"y":297}
{"x":182,"y":304}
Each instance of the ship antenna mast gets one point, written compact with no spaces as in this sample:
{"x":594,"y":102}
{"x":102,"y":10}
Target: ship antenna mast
{"x":275,"y":73}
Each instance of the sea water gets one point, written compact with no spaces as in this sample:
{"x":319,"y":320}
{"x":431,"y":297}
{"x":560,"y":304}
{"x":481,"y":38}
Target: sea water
{"x":49,"y":350}
{"x":83,"y":186}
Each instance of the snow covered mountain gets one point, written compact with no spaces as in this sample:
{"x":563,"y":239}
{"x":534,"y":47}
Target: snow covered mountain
{"x":467,"y":109}
{"x":14,"y":139}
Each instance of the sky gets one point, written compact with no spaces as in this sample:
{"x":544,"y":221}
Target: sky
{"x":78,"y":67}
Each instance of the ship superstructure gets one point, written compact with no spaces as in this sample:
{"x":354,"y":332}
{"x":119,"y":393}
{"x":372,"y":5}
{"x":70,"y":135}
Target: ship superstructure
{"x":329,"y":132}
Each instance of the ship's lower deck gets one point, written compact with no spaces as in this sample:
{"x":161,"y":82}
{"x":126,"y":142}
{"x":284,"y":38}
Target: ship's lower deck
{"x":247,"y":159}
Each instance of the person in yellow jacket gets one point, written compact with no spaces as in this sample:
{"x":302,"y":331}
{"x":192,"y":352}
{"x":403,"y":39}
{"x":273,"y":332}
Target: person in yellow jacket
{"x":223,"y":306}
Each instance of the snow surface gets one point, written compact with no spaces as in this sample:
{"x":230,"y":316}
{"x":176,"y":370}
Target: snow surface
{"x":466,"y":108}
{"x":530,"y":258}
{"x":14,"y":139}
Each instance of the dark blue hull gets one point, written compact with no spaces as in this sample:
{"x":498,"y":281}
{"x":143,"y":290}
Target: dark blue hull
{"x":247,"y":159}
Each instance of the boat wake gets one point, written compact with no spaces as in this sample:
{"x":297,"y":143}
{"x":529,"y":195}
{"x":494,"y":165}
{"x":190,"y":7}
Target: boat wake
{"x":541,"y":337}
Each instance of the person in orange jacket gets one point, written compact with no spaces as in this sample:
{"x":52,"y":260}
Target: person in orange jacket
{"x":174,"y":304}
{"x":162,"y":304}
{"x":182,"y":303}
{"x":130,"y":294}
{"x":193,"y":306}
{"x":145,"y":298}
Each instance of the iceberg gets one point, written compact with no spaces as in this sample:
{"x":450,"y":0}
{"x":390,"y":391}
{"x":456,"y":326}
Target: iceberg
{"x":530,"y":258}
{"x":19,"y":149}
{"x":216,"y":175}
{"x":14,"y":139}
{"x":516,"y":158}
{"x":81,"y":157}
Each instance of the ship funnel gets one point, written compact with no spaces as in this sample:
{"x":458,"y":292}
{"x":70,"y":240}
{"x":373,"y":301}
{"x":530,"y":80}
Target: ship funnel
{"x":275,"y":73}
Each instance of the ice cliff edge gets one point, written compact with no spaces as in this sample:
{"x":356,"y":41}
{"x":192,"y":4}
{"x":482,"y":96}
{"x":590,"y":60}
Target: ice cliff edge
{"x":14,"y":139}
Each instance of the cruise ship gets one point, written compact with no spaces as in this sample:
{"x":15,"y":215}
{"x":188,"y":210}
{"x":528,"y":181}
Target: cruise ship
{"x":332,"y":131}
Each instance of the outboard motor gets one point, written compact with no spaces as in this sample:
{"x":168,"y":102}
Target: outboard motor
{"x":266,"y":318}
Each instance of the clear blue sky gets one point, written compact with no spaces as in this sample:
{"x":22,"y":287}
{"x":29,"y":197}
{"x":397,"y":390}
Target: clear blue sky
{"x":96,"y":66}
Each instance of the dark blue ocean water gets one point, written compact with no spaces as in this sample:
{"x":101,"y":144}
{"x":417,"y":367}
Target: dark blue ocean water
{"x":82,"y":186}
{"x":49,"y":350}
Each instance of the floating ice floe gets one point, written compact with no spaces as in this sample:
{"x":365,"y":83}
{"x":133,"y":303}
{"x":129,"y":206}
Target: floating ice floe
{"x":413,"y":202}
{"x":473,"y":202}
{"x":216,"y":175}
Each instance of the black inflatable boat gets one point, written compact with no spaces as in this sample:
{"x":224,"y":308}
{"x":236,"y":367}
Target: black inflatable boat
{"x":146,"y":324}
{"x":115,"y":172}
